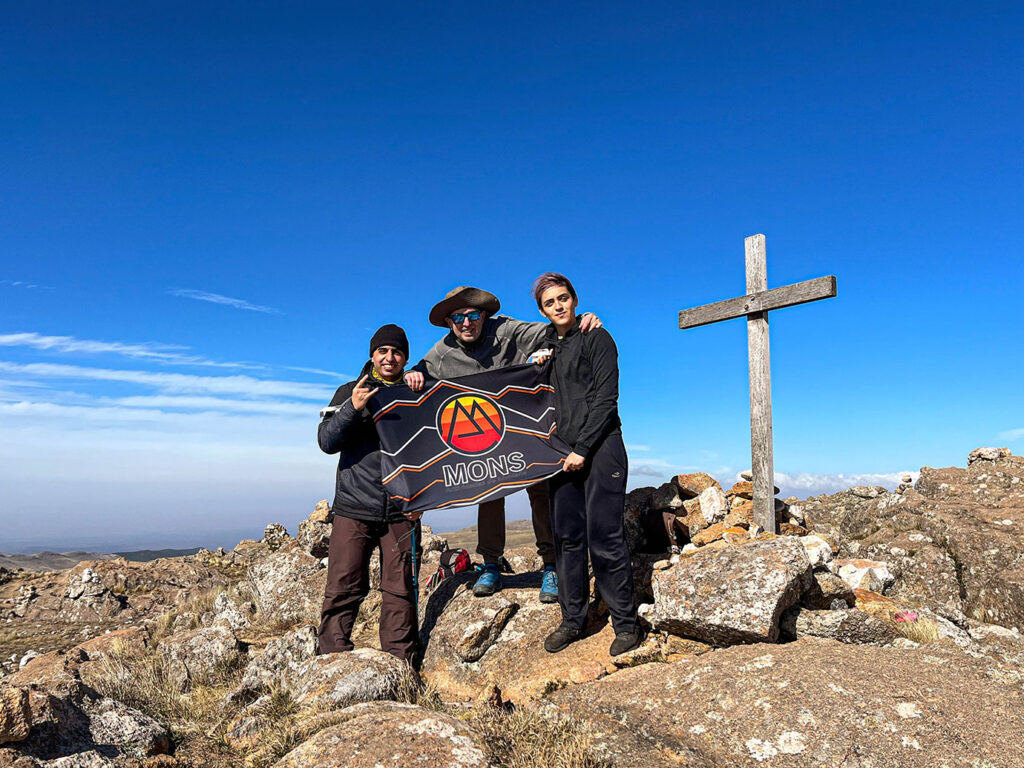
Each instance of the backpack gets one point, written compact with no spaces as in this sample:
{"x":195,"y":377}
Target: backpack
{"x":452,"y":561}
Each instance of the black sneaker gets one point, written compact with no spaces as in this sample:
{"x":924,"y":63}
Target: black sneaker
{"x":624,"y":641}
{"x":560,"y":639}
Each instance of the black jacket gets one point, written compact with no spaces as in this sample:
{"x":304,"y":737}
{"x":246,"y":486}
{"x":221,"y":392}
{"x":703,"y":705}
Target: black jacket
{"x":358,"y":492}
{"x":585,"y":375}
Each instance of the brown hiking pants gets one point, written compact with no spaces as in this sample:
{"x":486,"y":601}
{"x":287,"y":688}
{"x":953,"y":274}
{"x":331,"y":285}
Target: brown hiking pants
{"x":348,"y":582}
{"x":490,"y":527}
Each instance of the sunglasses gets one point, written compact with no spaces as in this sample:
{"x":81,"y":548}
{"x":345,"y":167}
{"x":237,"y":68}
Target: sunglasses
{"x":460,"y":317}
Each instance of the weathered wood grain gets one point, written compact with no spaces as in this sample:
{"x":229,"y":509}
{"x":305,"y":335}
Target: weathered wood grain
{"x":761,"y":301}
{"x":762,"y":464}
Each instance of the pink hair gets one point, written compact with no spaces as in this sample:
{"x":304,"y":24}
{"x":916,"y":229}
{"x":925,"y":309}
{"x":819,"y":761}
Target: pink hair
{"x":549,"y":279}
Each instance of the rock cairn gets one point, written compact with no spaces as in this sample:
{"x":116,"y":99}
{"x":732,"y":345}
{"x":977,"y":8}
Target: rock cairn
{"x":692,"y":510}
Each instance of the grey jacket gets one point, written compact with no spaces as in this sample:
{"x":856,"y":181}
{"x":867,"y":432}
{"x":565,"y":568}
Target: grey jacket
{"x":503,"y":342}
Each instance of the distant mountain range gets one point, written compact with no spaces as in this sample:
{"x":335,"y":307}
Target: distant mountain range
{"x":59,"y":561}
{"x":519,"y":534}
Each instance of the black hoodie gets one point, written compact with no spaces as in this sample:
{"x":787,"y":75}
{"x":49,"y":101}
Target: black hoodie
{"x":585,"y":375}
{"x":358,"y":492}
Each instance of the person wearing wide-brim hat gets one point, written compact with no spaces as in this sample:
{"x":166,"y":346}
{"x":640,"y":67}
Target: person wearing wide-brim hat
{"x":480,"y":340}
{"x":467,"y":297}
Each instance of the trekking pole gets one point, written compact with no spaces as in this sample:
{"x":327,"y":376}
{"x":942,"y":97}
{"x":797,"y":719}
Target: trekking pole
{"x":415,"y":581}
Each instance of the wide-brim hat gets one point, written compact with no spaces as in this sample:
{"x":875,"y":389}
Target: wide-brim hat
{"x":463,"y":296}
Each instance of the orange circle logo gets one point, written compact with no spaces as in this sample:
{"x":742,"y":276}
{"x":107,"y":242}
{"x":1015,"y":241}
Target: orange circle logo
{"x":470,"y":424}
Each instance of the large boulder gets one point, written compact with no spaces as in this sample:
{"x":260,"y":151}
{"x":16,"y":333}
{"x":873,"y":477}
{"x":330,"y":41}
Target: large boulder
{"x":196,"y":654}
{"x":132,"y":733}
{"x":232,"y":612}
{"x":55,"y":672}
{"x":278,"y":664}
{"x":87,"y":598}
{"x":846,"y":626}
{"x":473,"y":642}
{"x":289,"y":584}
{"x":730,"y":594}
{"x":988,"y":454}
{"x":389,"y":734}
{"x":15,"y":714}
{"x":314,"y":534}
{"x":809,"y":703}
{"x":314,"y":683}
{"x":338,"y":680}
{"x":131,"y":641}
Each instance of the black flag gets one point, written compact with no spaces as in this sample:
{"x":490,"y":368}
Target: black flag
{"x":466,"y":440}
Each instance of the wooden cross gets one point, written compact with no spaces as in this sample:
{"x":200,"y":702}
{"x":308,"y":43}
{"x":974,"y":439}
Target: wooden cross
{"x":755,"y":306}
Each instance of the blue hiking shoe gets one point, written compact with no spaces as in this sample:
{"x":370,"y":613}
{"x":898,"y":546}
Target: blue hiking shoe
{"x":549,"y":585}
{"x":489,"y":581}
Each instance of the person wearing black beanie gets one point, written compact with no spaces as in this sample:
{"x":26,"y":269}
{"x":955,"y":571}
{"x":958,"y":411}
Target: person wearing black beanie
{"x":390,"y":335}
{"x":364,"y":519}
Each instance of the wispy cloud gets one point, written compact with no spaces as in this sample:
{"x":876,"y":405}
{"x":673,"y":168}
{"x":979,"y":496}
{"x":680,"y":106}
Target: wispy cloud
{"x":317,"y":371}
{"x":216,"y":298}
{"x":173,"y":354}
{"x":26,"y":285}
{"x":248,"y":386}
{"x":655,"y":471}
{"x":275,"y":407}
{"x":806,"y":484}
{"x":150,"y":351}
{"x":1011,"y":434}
{"x":649,"y":466}
{"x":127,"y":411}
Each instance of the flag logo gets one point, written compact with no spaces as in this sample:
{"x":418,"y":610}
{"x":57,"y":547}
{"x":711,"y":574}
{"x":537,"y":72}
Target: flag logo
{"x":470,"y":424}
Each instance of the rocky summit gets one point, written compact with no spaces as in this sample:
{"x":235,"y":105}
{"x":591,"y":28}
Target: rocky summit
{"x":877,"y":628}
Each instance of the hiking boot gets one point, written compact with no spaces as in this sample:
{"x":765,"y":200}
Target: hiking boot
{"x":560,"y":639}
{"x":489,"y":581}
{"x":624,"y":641}
{"x":549,"y":585}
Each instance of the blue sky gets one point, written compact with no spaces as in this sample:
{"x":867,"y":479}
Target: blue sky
{"x":205,"y":211}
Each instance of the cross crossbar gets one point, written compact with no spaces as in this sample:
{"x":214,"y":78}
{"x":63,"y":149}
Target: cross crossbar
{"x":776,"y":298}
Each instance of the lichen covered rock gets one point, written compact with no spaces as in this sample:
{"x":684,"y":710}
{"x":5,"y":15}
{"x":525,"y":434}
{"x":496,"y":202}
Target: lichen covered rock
{"x":807,"y":704}
{"x":390,"y":734}
{"x":289,"y":584}
{"x":846,"y":626}
{"x":196,"y":653}
{"x":730,"y":594}
{"x":15,"y":714}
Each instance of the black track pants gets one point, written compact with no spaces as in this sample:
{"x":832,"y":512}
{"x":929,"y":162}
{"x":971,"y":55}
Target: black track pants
{"x":586,"y":514}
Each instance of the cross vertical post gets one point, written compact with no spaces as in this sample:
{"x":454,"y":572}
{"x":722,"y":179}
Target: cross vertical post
{"x":762,"y":463}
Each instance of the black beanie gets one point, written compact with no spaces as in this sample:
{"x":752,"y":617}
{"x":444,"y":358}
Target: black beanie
{"x":390,"y":336}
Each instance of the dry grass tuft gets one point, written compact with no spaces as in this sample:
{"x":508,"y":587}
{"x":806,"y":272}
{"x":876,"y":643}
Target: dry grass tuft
{"x":920,"y":630}
{"x":185,"y":615}
{"x":526,"y":739}
{"x":142,"y":680}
